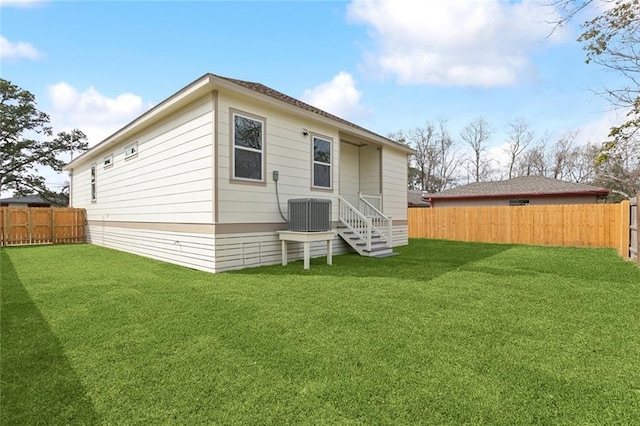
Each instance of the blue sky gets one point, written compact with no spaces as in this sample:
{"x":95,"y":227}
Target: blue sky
{"x":385,"y":64}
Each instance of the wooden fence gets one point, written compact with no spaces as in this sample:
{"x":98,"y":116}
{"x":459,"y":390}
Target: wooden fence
{"x":634,"y":240}
{"x":41,"y":225}
{"x":585,"y":225}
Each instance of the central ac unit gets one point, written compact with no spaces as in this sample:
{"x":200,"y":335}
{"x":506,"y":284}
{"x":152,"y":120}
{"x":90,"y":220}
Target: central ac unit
{"x":309,"y":215}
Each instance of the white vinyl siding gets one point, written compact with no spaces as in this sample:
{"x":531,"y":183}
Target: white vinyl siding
{"x":238,"y":251}
{"x":288,"y":151}
{"x":192,"y":250}
{"x":370,"y":170}
{"x":349,"y":172}
{"x":394,"y":181}
{"x":394,"y":191}
{"x":172,"y":182}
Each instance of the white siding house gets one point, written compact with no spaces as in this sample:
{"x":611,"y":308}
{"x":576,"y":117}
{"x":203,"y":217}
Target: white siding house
{"x":191,"y":181}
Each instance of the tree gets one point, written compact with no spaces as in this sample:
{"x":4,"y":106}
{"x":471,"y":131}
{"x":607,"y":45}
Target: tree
{"x":621,"y":171}
{"x":519,"y":138}
{"x":476,"y":134}
{"x":564,"y":155}
{"x":22,"y":126}
{"x":422,"y":139}
{"x":448,"y":161}
{"x":534,"y":161}
{"x":611,"y":40}
{"x":584,"y":167}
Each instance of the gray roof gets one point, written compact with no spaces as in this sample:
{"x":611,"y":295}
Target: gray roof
{"x":268,"y":91}
{"x":25,"y":199}
{"x":520,"y":186}
{"x":414,"y":198}
{"x":213,"y":80}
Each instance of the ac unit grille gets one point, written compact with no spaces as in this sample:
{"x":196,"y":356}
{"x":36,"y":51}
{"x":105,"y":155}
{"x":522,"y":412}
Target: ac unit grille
{"x":309,"y":215}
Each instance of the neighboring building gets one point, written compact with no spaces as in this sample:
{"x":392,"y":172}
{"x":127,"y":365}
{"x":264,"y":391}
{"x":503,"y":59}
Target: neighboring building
{"x":520,"y":191}
{"x":192,"y":181}
{"x":415,"y":199}
{"x":24,"y":201}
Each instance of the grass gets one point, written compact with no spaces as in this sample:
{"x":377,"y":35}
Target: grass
{"x":445,"y":333}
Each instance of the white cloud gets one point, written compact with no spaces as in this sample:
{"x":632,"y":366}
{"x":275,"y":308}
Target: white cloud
{"x":20,"y":3}
{"x":499,"y":161}
{"x":455,"y":42}
{"x":597,"y":131}
{"x":338,"y":96}
{"x":97,"y":115}
{"x":16,"y":50}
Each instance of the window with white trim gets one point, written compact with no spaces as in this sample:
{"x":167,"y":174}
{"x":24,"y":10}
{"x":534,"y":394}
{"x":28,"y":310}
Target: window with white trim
{"x":248,"y":148}
{"x":94,"y":179}
{"x":131,"y":150}
{"x":321,"y":163}
{"x":108,"y":161}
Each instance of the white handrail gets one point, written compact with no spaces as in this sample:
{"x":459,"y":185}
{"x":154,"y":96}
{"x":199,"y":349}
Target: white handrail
{"x":374,"y":200}
{"x":355,"y":221}
{"x":381,"y":223}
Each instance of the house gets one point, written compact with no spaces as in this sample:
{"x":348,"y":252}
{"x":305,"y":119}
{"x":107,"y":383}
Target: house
{"x":203,"y":179}
{"x":519,"y":191}
{"x":24,"y":201}
{"x":415,"y":199}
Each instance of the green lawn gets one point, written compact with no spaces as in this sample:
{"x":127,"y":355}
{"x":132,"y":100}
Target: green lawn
{"x":444,"y":333}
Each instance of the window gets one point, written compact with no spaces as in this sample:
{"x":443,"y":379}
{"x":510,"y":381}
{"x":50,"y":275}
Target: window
{"x":131,"y":150}
{"x":321,"y":163}
{"x":518,"y":202}
{"x":108,"y":161}
{"x":248,"y":148}
{"x":94,"y":193}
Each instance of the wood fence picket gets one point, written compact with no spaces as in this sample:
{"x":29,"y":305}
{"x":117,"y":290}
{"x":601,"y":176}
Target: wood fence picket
{"x":581,"y":225}
{"x":634,"y":240}
{"x":41,"y":225}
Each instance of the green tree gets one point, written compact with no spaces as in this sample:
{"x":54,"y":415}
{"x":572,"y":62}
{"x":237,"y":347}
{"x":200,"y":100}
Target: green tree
{"x":612,"y":39}
{"x":27,"y":142}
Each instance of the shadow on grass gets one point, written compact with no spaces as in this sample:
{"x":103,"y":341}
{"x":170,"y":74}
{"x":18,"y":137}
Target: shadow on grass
{"x":421,"y":260}
{"x":38,"y":384}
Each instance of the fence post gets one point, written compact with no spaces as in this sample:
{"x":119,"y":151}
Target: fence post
{"x":3,"y":226}
{"x":625,"y":221}
{"x":637,"y":232}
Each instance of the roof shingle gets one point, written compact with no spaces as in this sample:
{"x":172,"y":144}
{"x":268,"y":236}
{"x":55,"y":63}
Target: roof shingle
{"x":529,"y":185}
{"x":268,"y":91}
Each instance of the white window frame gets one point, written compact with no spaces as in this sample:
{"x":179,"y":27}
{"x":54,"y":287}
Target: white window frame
{"x":131,"y":151}
{"x":314,"y":162}
{"x":234,"y":147}
{"x":107,"y":161}
{"x":93,"y":178}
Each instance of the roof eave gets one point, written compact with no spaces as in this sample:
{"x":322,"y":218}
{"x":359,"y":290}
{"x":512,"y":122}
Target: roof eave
{"x":197,"y":88}
{"x":208,"y":83}
{"x":519,"y":195}
{"x":359,"y":132}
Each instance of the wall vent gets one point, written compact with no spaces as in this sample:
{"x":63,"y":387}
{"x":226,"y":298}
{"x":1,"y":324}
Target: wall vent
{"x":309,"y":215}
